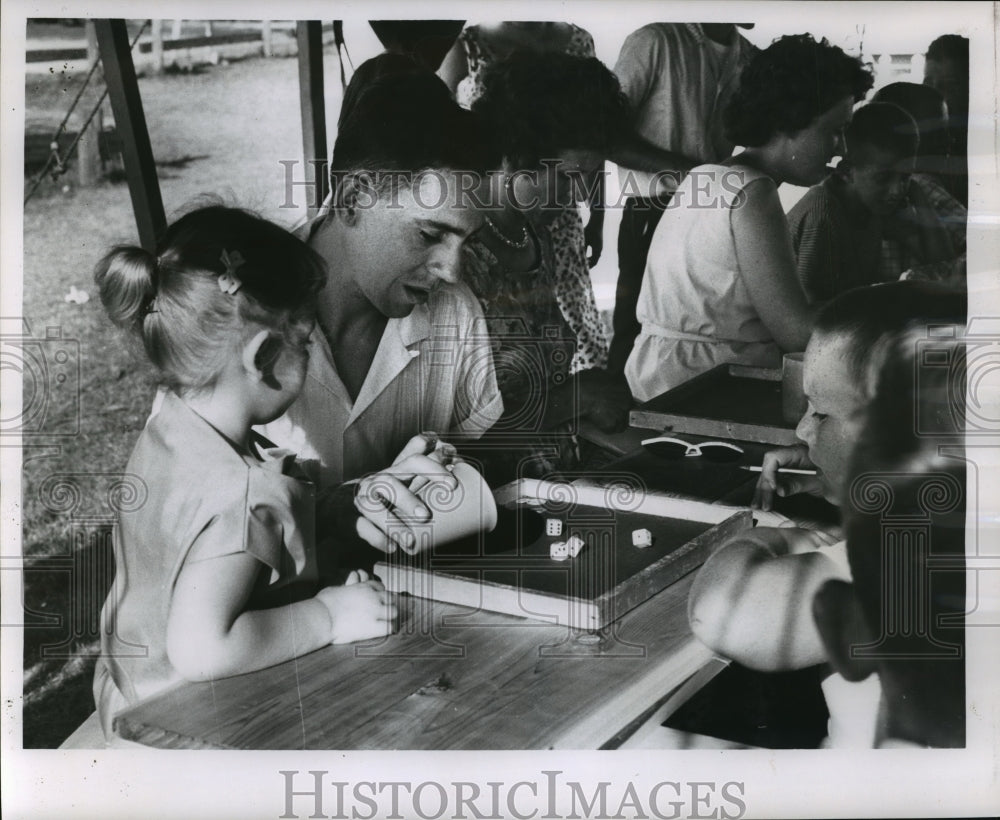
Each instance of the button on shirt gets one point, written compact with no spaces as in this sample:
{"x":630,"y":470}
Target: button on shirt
{"x":433,"y":370}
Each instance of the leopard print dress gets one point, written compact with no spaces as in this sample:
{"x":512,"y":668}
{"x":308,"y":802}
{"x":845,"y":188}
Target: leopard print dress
{"x":570,"y":272}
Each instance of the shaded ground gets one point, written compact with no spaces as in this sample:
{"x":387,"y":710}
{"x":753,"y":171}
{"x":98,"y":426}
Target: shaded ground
{"x":221,"y":130}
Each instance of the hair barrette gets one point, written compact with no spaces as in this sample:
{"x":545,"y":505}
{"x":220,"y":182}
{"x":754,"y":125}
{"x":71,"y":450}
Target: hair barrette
{"x":229,"y":282}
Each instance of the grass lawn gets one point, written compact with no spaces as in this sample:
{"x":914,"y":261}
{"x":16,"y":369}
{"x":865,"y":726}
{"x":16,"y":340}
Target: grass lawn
{"x":220,"y":130}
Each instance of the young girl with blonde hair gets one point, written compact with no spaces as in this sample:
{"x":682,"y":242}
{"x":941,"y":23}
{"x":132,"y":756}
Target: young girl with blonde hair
{"x":216,"y":564}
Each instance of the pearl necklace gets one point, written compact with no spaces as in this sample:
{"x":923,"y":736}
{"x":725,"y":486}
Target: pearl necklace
{"x":518,"y":246}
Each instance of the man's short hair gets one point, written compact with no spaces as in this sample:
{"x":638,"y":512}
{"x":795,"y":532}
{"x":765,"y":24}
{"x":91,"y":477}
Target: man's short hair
{"x":404,"y":121}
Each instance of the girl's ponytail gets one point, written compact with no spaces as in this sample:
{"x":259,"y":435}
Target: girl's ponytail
{"x":126,"y":279}
{"x":217,"y":271}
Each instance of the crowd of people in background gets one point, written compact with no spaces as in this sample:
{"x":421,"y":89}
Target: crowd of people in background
{"x":446,"y":287}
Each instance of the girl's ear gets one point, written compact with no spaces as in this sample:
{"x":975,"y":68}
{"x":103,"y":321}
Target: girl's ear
{"x":255,"y":354}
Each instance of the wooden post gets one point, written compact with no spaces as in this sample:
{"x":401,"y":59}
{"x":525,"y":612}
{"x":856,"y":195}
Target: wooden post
{"x":265,"y":38}
{"x":88,"y":150}
{"x":175,"y":34}
{"x":130,"y":122}
{"x":156,"y":47}
{"x":309,"y":34}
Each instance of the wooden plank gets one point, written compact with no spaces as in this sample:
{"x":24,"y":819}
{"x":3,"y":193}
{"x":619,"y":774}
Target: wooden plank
{"x":634,"y":590}
{"x":728,"y":401}
{"x":55,"y":55}
{"x":572,"y":611}
{"x":450,"y":678}
{"x":714,"y":428}
{"x":309,"y":34}
{"x":633,"y":735}
{"x":130,"y":123}
{"x":592,"y":494}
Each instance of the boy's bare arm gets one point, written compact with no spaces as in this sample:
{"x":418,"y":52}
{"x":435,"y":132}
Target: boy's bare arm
{"x":752,"y":600}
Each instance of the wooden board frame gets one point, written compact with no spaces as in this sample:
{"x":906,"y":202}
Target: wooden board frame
{"x":576,"y":612}
{"x":648,"y":415}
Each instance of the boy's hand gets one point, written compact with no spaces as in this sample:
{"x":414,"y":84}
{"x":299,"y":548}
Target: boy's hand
{"x":772,"y":482}
{"x":358,"y":611}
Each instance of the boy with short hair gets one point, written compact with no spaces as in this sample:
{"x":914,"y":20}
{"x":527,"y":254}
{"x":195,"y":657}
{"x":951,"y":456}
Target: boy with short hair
{"x":751,"y":601}
{"x":898,"y":626}
{"x":781,"y":598}
{"x":865,"y":223}
{"x":837,"y":226}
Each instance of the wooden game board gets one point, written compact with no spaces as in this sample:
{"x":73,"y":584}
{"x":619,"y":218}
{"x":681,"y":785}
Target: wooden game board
{"x":730,"y":401}
{"x":510,"y":570}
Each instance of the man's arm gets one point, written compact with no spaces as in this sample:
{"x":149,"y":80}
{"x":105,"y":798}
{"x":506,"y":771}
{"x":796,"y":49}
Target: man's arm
{"x":655,"y":170}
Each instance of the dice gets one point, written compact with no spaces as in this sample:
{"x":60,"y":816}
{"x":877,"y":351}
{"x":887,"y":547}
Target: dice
{"x":642,"y":538}
{"x":558,"y":551}
{"x":574,"y":545}
{"x":553,"y":526}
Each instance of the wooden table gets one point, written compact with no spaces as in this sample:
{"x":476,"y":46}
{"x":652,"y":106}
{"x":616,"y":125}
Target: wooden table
{"x":451,"y":678}
{"x":457,"y":678}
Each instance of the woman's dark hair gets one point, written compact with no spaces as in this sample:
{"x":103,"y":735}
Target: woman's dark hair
{"x":175,"y":301}
{"x":884,"y":126}
{"x":788,"y":85}
{"x":538,"y":104}
{"x":399,"y":118}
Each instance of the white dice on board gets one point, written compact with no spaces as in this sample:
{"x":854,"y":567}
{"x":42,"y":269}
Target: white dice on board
{"x":553,"y":526}
{"x":642,"y":538}
{"x":574,"y":545}
{"x":558,"y":551}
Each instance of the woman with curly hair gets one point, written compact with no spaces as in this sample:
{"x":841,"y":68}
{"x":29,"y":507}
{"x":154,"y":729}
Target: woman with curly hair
{"x":554,"y":118}
{"x":720,"y":283}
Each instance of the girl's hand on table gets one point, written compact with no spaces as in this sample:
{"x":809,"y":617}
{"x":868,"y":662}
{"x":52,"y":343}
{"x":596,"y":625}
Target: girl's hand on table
{"x":772,"y":483}
{"x":358,"y":611}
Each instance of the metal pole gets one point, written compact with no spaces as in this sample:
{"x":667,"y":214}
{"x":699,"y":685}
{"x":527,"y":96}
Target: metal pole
{"x":130,"y":123}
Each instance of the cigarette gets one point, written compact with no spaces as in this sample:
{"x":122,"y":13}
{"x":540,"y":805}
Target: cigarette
{"x":755,"y":469}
